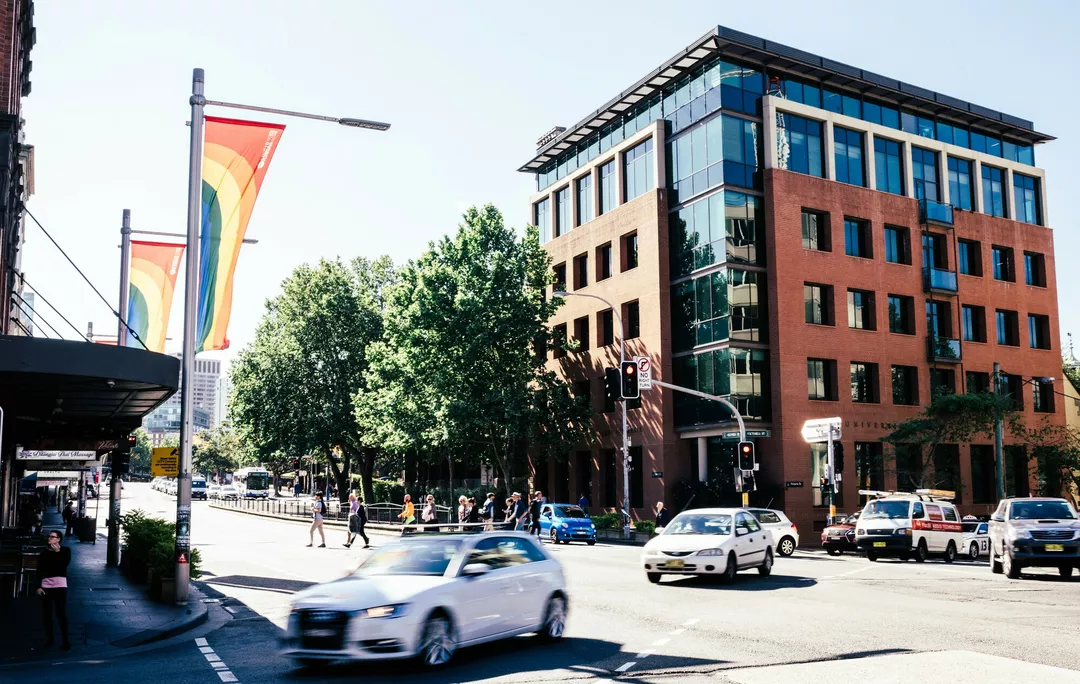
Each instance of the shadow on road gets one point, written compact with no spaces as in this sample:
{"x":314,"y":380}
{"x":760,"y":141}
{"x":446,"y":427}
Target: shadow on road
{"x":275,"y":584}
{"x":749,"y":581}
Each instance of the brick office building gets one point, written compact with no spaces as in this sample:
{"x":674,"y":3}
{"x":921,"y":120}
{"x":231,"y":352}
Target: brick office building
{"x":807,"y":239}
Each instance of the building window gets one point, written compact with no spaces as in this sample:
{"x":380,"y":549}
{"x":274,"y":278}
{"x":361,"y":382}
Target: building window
{"x":960,"y":195}
{"x":969,"y":257}
{"x":821,"y":379}
{"x":581,"y":333}
{"x":976,"y":382}
{"x":560,"y":277}
{"x":901,"y":314}
{"x":857,"y":241}
{"x":925,"y":174}
{"x":584,"y":199}
{"x":603,"y":262}
{"x":718,"y":228}
{"x":897,"y":245}
{"x":889,"y":166}
{"x":864,"y":383}
{"x":815,"y":231}
{"x":1013,"y":387}
{"x":818,"y":303}
{"x":1034,"y":269}
{"x":605,"y":328}
{"x":632,"y":319}
{"x":1042,"y":397}
{"x":905,"y":385}
{"x":1004,"y":267}
{"x":1038,"y":331}
{"x":581,"y":271}
{"x":629,"y":249}
{"x":583,"y":392}
{"x":800,"y":145}
{"x":1026,"y":196}
{"x":695,"y":159}
{"x":942,"y":381}
{"x":993,"y":191}
{"x":608,"y":190}
{"x":974,"y":318}
{"x":562,"y":211}
{"x":935,"y":253}
{"x":938,"y":319}
{"x":542,"y":218}
{"x":638,"y":170}
{"x":848,"y":151}
{"x":983,"y":478}
{"x":818,"y":470}
{"x":869,"y":467}
{"x":558,"y":340}
{"x":1008,"y":328}
{"x":860,"y":304}
{"x":741,"y":165}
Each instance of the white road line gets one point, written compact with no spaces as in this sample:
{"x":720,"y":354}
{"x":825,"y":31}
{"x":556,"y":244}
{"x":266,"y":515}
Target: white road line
{"x":646,"y":653}
{"x":227,"y":676}
{"x":691,"y":622}
{"x":660,"y":642}
{"x":676,"y":632}
{"x":205,"y":649}
{"x":201,"y":641}
{"x":625,"y":666}
{"x":212,"y":657}
{"x":219,"y":666}
{"x":852,"y":572}
{"x":214,"y":660}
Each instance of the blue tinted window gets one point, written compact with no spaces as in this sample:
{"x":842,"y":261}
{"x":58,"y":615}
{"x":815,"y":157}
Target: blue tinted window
{"x":608,"y":196}
{"x":978,"y":142}
{"x":944,"y":132}
{"x":926,"y":127}
{"x":872,"y":112}
{"x":1025,"y":154}
{"x":562,"y":211}
{"x":857,"y":238}
{"x":924,"y":174}
{"x":960,"y":137}
{"x":542,"y":218}
{"x":960,"y":195}
{"x":800,"y":145}
{"x":718,"y":228}
{"x":909,"y":123}
{"x":888,"y":166}
{"x":584,"y":199}
{"x":993,"y":190}
{"x":847,"y":151}
{"x":1026,"y":196}
{"x":740,"y":152}
{"x":833,"y":101}
{"x":695,"y":159}
{"x":890,"y":117}
{"x":852,"y":107}
{"x":638,"y":170}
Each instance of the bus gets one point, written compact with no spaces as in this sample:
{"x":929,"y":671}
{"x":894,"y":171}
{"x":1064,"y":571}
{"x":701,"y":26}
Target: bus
{"x":252,"y":483}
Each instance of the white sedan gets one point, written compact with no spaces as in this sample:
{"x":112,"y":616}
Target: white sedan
{"x":709,"y":541}
{"x":428,"y":595}
{"x":785,"y":535}
{"x":976,"y":539}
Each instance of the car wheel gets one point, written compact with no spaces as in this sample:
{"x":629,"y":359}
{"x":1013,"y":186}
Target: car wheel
{"x":996,"y":566}
{"x":833,"y":551}
{"x":436,"y":642}
{"x":950,"y":553}
{"x":1065,"y":571}
{"x":554,"y":619}
{"x":920,"y":552}
{"x":871,"y":556}
{"x":973,"y":551}
{"x":765,"y":569}
{"x":591,"y":542}
{"x":730,"y":568}
{"x":786,"y":547}
{"x":554,"y":536}
{"x":1009,"y":566}
{"x":654,"y":577}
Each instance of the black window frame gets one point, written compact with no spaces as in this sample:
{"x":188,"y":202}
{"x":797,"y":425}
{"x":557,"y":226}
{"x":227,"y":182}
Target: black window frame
{"x":898,"y":250}
{"x":1034,"y":269}
{"x":1007,"y":327}
{"x":955,"y":187}
{"x":920,"y":167}
{"x":583,"y":186}
{"x":628,"y":248}
{"x":905,"y":320}
{"x":908,"y":390}
{"x":632,"y":319}
{"x":860,"y":228}
{"x":605,"y":328}
{"x":845,"y":141}
{"x":815,"y":230}
{"x":581,"y":271}
{"x":825,"y":297}
{"x":969,"y":257}
{"x":1003,"y":263}
{"x":973,"y":323}
{"x":976,"y":382}
{"x":827,"y":368}
{"x":885,"y":149}
{"x":1039,"y":331}
{"x":865,"y":389}
{"x":861,"y":310}
{"x":997,"y":201}
{"x":604,"y":266}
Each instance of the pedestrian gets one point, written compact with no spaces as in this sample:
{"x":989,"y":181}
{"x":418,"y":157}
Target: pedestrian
{"x":462,"y":509}
{"x":583,"y":503}
{"x":473,"y":517}
{"x":407,"y":514}
{"x":430,"y":515}
{"x":663,"y":515}
{"x":357,"y":520}
{"x":52,"y":587}
{"x":508,"y":514}
{"x":521,"y":512}
{"x":69,"y":517}
{"x":318,"y":512}
{"x":534,"y":513}
{"x":489,"y":512}
{"x":296,"y":489}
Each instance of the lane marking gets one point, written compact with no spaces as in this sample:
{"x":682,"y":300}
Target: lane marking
{"x":646,"y":653}
{"x":219,"y":666}
{"x":227,"y":676}
{"x":212,"y":657}
{"x":201,"y":641}
{"x":205,"y":649}
{"x":852,"y":572}
{"x":691,"y":622}
{"x":676,"y":632}
{"x":661,"y":642}
{"x":625,"y":666}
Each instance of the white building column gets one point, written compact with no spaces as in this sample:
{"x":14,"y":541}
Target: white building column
{"x":768,"y":135}
{"x":702,"y":459}
{"x":871,"y":161}
{"x":909,"y":174}
{"x":1007,"y":191}
{"x":943,"y":175}
{"x":976,"y":186}
{"x":830,"y":152}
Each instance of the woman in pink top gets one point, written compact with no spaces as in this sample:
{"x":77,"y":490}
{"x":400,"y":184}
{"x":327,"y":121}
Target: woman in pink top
{"x":52,"y":587}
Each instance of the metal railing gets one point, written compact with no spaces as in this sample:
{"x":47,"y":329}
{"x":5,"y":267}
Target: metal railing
{"x":386,"y":513}
{"x":935,"y":212}
{"x":939,"y":279}
{"x":943,"y":348}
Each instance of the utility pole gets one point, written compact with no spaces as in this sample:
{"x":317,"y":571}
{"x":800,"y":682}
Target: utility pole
{"x":112,"y":552}
{"x":999,"y":436}
{"x":830,"y":470}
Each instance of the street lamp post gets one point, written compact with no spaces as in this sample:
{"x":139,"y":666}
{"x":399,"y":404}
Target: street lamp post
{"x":625,"y":436}
{"x":999,"y":428}
{"x":198,"y":102}
{"x":112,"y":550}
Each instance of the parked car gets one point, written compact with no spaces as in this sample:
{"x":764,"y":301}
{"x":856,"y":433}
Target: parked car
{"x":1034,"y":531}
{"x":976,"y":539}
{"x":785,"y":535}
{"x":840,"y":536}
{"x":709,"y":541}
{"x":428,"y":595}
{"x":213,"y":491}
{"x":229,"y":493}
{"x":566,"y":523}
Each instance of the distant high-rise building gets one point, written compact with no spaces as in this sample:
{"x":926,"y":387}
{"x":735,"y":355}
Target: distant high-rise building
{"x":224,"y":388}
{"x":165,"y":420}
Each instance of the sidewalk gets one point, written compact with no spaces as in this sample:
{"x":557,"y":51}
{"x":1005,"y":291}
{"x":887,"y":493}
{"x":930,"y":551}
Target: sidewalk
{"x":105,"y":611}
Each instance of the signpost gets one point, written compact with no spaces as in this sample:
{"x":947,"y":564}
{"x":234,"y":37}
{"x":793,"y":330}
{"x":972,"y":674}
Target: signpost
{"x":644,"y":372}
{"x":826,"y":430}
{"x":165,"y":462}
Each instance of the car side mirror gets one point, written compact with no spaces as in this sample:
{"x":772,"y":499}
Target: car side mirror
{"x":740,"y":531}
{"x":997,"y":517}
{"x":474,"y":569}
{"x":659,"y":530}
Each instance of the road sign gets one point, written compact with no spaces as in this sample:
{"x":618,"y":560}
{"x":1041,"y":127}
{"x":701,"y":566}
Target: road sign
{"x":793,"y":483}
{"x":644,"y":366}
{"x":658,"y":473}
{"x":165,"y":462}
{"x":818,"y":430}
{"x":749,"y":434}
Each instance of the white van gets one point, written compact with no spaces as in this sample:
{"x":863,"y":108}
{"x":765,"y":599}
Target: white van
{"x":198,"y":487}
{"x":907,"y":526}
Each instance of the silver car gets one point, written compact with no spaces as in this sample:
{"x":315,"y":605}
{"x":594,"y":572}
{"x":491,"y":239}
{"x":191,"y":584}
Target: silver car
{"x":1034,"y":532}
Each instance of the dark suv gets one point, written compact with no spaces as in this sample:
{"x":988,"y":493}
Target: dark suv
{"x":1034,"y":532}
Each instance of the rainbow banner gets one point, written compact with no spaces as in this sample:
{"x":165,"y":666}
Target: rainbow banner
{"x":236,"y":156}
{"x":154,"y":266}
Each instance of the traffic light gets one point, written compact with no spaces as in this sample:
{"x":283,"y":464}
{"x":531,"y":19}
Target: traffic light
{"x":826,"y":487}
{"x":630,"y":389}
{"x":611,"y":385}
{"x":126,"y":444}
{"x":838,"y":457}
{"x":296,"y":464}
{"x":121,"y":461}
{"x":747,"y":458}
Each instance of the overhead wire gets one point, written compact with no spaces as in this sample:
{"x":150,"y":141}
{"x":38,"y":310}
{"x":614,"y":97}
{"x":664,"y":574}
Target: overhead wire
{"x":38,"y":316}
{"x":50,"y":305}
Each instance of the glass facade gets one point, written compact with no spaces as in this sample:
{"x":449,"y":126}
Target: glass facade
{"x":694,"y":160}
{"x":638,"y":170}
{"x":584,"y":199}
{"x":897,"y":247}
{"x":800,"y":145}
{"x":609,"y":195}
{"x":717,"y":307}
{"x":924,"y":173}
{"x":741,"y":164}
{"x":720,"y":227}
{"x":848,"y":151}
{"x":993,"y":191}
{"x":542,"y":218}
{"x":857,"y":239}
{"x":960,"y":186}
{"x":888,"y":166}
{"x":562,"y":212}
{"x":1026,"y":196}
{"x":737,"y":374}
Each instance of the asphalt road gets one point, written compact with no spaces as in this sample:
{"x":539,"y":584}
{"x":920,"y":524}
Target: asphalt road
{"x":816,"y":619}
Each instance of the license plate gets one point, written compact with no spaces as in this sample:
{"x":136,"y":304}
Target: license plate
{"x":1055,"y":547}
{"x":879,"y":545}
{"x":675,"y":564}
{"x":319,"y":633}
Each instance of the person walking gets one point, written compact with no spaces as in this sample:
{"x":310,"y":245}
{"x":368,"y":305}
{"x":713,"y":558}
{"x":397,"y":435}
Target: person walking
{"x":508,"y":514}
{"x":430,"y":516}
{"x":583,"y":503}
{"x":489,"y":512}
{"x":534,"y":513}
{"x":52,"y":587}
{"x":473,"y":516}
{"x":663,"y":515}
{"x":521,"y":512}
{"x":357,"y":520}
{"x":407,"y":514}
{"x":318,"y":512}
{"x":69,"y":517}
{"x":296,"y":489}
{"x":462,"y":509}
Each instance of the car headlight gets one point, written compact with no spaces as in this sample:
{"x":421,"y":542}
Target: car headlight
{"x":711,"y":552}
{"x":903,"y":530}
{"x":861,"y":532}
{"x":392,"y":611}
{"x":592,"y":527}
{"x":1015,"y":533}
{"x":565,"y":525}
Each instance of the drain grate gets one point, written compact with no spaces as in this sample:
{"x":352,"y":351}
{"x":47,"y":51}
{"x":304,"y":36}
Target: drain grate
{"x":104,"y":588}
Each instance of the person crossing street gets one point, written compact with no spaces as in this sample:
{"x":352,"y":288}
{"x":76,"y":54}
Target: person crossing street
{"x":357,"y":520}
{"x":318,"y":513}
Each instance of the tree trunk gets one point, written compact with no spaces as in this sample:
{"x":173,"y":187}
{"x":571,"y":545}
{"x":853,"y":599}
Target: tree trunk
{"x":450,"y":463}
{"x":367,"y":473}
{"x":339,"y":474}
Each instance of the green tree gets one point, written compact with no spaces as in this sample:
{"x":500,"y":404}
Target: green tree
{"x":218,"y":450}
{"x":141,"y":453}
{"x":1056,"y":450}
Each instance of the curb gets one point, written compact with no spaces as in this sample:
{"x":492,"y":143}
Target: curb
{"x":197,"y":614}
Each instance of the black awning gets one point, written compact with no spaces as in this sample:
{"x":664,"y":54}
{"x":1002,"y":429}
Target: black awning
{"x":61,"y":389}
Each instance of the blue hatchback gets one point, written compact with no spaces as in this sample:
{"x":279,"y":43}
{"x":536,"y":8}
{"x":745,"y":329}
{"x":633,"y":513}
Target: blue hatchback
{"x":566,"y":523}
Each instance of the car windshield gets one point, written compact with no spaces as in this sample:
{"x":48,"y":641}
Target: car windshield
{"x":1041,"y":510}
{"x":198,"y":483}
{"x":886,"y":509}
{"x":700,"y":523}
{"x":569,"y":512}
{"x":414,"y":557}
{"x":970,"y":527}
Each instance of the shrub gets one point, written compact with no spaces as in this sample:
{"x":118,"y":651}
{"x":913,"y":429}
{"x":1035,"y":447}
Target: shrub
{"x":152,"y":542}
{"x":608,"y":521}
{"x":646,"y":526}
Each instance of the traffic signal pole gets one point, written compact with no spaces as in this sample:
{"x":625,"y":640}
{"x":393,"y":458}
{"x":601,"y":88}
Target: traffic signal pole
{"x":830,"y":469}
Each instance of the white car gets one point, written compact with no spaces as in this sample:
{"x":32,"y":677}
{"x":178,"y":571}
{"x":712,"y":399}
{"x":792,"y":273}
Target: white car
{"x":428,"y":595}
{"x":785,"y":535}
{"x":228,"y":492}
{"x":709,"y":541}
{"x":976,"y":539}
{"x":213,"y":491}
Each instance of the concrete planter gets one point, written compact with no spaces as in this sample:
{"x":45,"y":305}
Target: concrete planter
{"x":638,"y":538}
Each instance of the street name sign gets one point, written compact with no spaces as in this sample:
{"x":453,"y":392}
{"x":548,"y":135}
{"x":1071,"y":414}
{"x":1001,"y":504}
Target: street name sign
{"x":818,"y":430}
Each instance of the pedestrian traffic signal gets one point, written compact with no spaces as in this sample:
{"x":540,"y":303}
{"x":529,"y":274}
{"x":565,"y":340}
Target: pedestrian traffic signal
{"x":838,"y":457}
{"x":630,"y":389}
{"x":611,"y":385}
{"x":826,"y":487}
{"x":747,"y":458}
{"x":121,"y":462}
{"x":126,"y":444}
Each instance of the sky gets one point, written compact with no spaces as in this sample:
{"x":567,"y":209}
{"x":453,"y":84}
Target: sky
{"x":468,"y":88}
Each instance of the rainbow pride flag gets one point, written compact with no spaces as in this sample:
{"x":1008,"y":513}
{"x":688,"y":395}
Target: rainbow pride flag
{"x":236,"y":155}
{"x":154,"y":266}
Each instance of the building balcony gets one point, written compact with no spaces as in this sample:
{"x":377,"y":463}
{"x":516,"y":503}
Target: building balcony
{"x":935,"y":213}
{"x":939,"y":280}
{"x":944,"y":349}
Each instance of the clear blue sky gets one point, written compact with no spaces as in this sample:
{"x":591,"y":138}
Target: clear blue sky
{"x":468,"y":87}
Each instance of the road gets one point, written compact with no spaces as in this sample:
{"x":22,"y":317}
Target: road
{"x":817,"y":619}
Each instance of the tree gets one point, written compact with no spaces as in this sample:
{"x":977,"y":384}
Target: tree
{"x":215,"y":451}
{"x":1056,"y":450}
{"x":141,"y":453}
